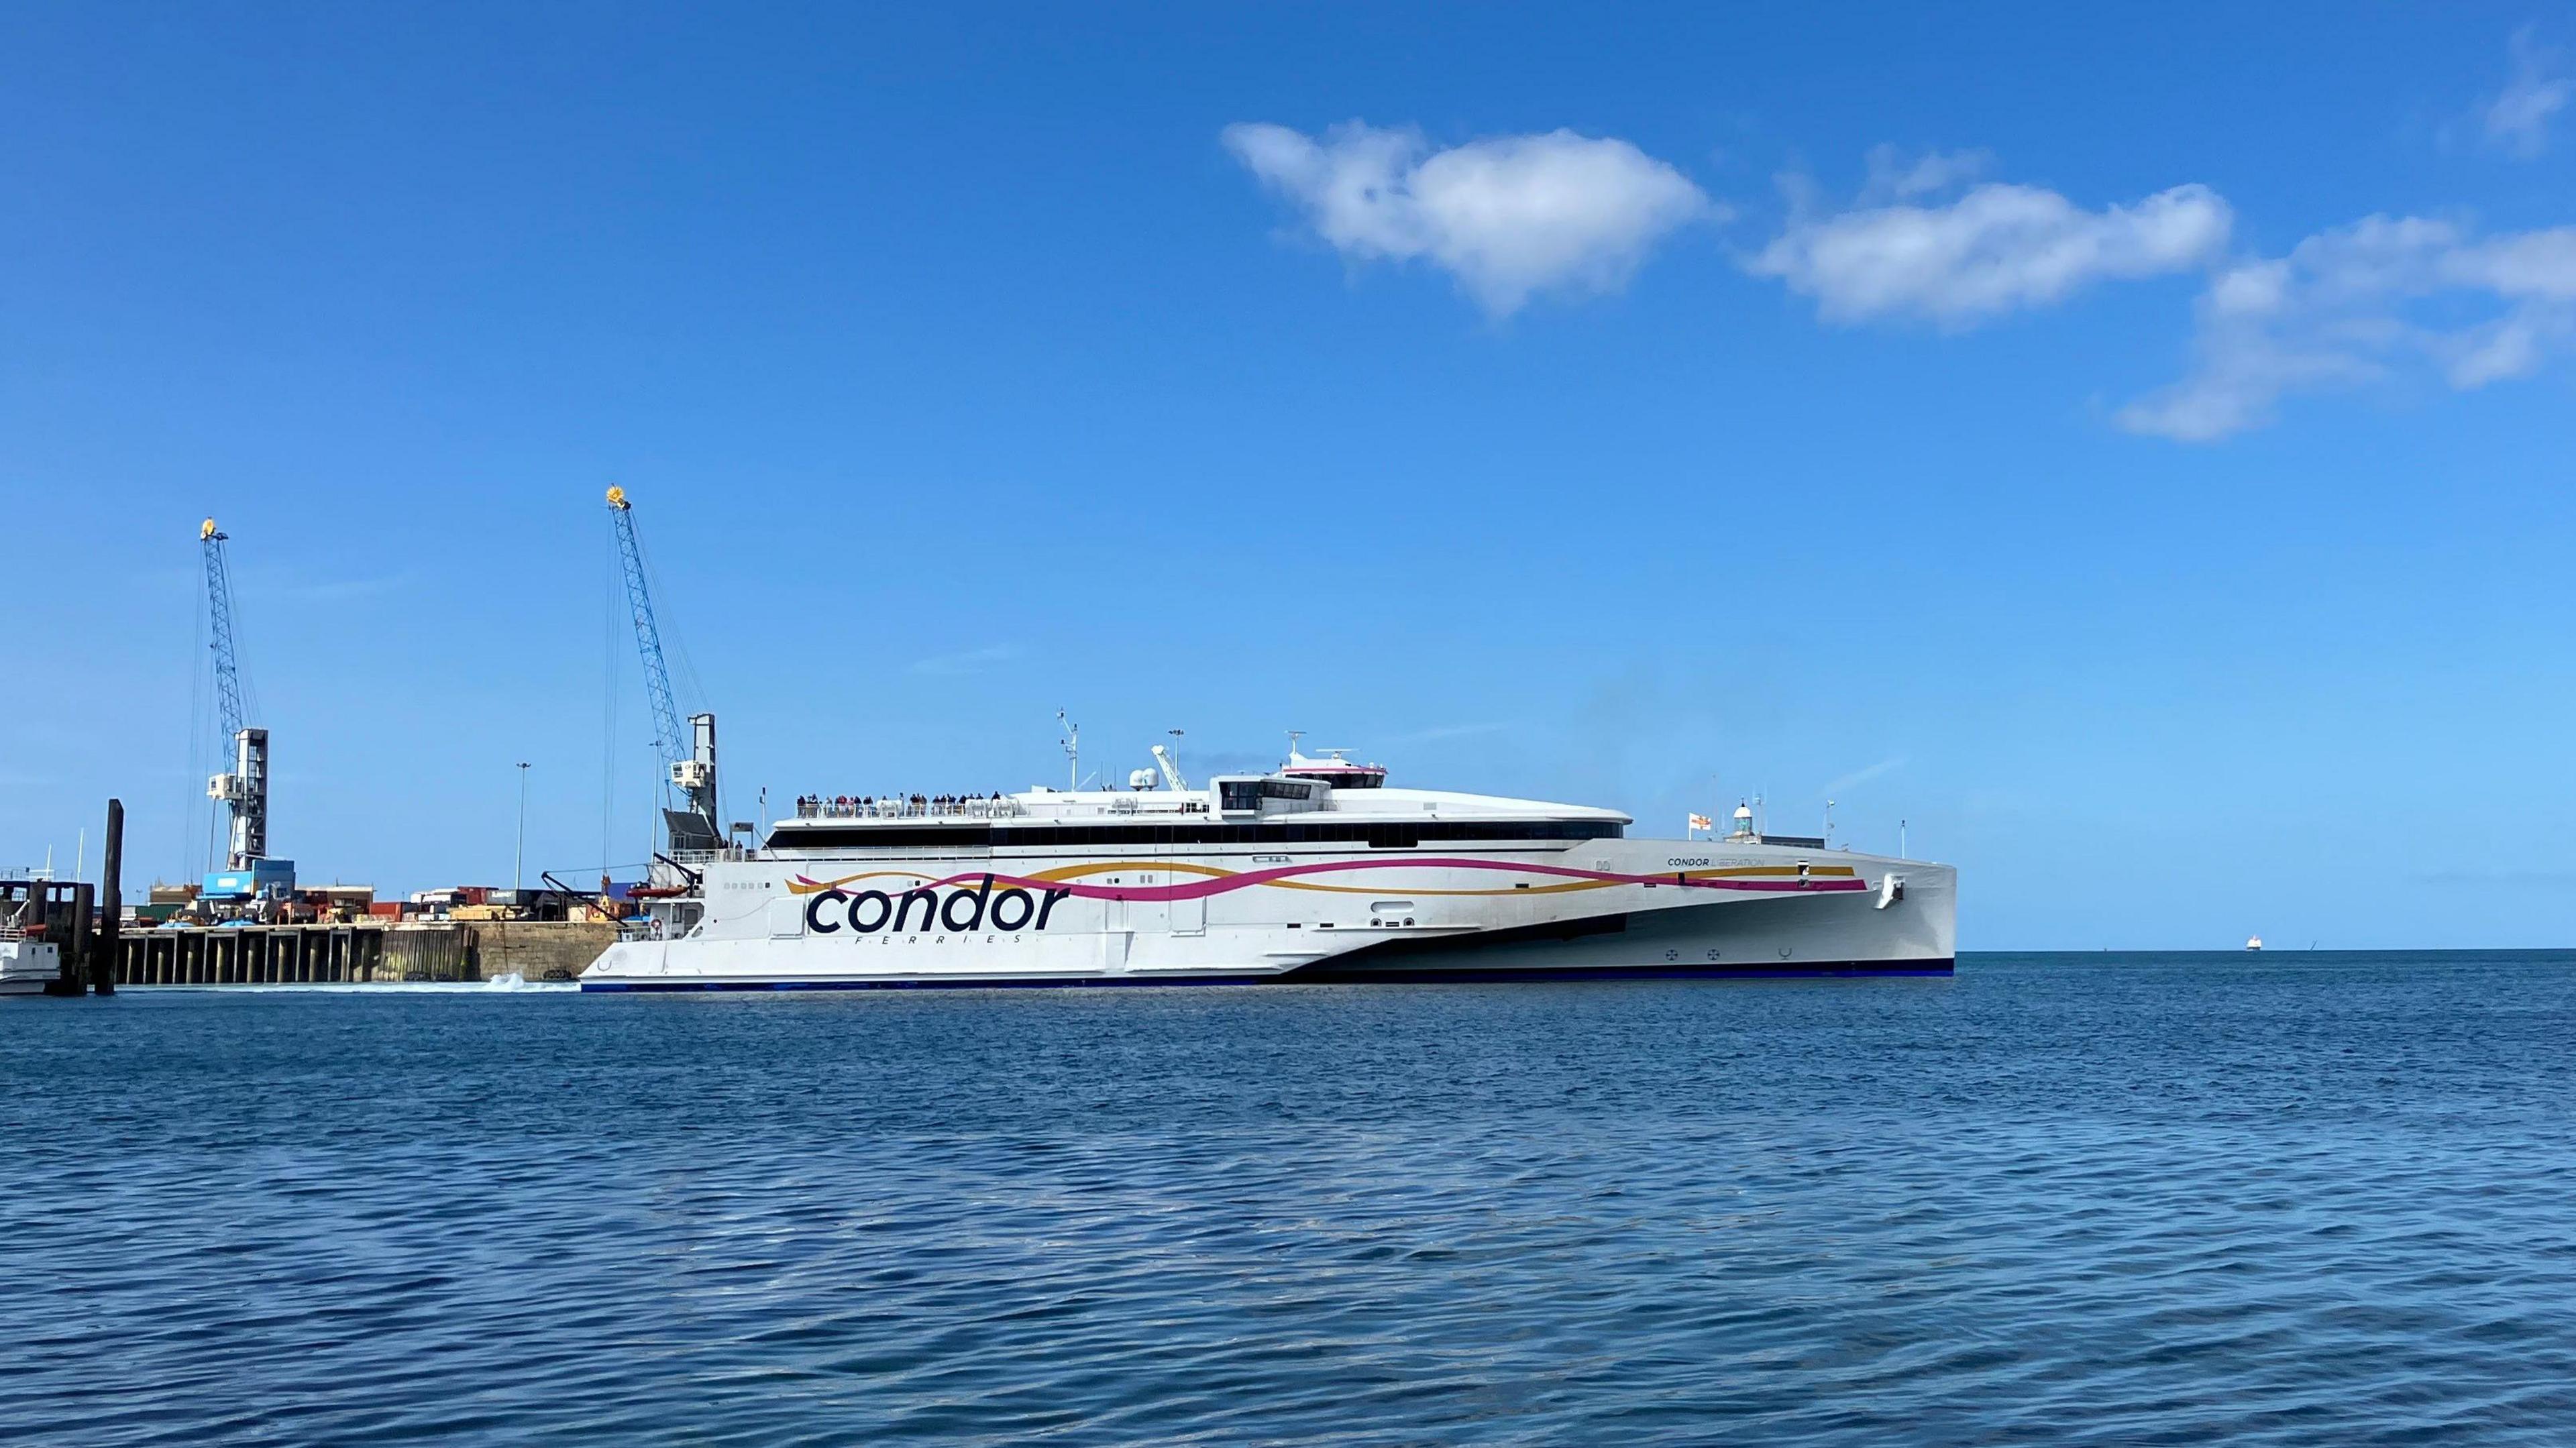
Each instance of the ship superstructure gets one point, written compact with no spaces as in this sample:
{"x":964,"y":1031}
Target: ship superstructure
{"x":1317,"y":870}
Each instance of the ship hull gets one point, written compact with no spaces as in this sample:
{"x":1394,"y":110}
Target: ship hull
{"x":1600,"y":910}
{"x":1469,"y":975}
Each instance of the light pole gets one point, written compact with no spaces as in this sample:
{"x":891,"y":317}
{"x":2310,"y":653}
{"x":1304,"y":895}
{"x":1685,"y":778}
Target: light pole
{"x":519,"y":857}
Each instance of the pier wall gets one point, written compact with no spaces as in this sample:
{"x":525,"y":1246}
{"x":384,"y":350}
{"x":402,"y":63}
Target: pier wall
{"x":540,"y":949}
{"x":256,"y":955}
{"x":359,"y":954}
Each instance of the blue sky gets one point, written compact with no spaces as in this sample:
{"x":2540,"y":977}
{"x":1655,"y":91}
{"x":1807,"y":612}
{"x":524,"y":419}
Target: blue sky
{"x":2129,"y":444}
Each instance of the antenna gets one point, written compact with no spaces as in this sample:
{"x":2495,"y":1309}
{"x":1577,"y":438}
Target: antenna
{"x":1171,"y":762}
{"x":1900,"y":839}
{"x":1293,"y":736}
{"x":1829,"y":822}
{"x":1072,"y":751}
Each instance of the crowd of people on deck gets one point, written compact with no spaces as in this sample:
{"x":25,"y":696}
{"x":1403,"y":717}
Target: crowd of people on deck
{"x":853,"y":806}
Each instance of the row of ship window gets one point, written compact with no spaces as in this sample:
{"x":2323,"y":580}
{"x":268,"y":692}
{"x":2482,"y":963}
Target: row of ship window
{"x":1244,"y":794}
{"x":1375,"y":836}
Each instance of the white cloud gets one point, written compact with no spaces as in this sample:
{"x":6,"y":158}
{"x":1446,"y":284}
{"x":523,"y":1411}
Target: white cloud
{"x":1448,"y":731}
{"x":970,"y":661}
{"x":2517,"y":119}
{"x":1995,"y":249}
{"x":2360,"y":304}
{"x":1894,"y":178}
{"x":1859,"y":777}
{"x":1509,"y":216}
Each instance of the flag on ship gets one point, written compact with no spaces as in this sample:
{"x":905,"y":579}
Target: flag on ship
{"x":1700,"y":822}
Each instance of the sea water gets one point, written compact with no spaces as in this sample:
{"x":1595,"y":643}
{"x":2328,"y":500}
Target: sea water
{"x":2287,"y":1198}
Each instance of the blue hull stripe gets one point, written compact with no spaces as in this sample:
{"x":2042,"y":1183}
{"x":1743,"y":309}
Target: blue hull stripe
{"x":1826,"y":970}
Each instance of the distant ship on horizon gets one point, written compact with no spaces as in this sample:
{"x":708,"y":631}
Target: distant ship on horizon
{"x":2253,"y":942}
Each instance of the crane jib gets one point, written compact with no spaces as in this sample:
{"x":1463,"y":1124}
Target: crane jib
{"x":219,"y":619}
{"x":648,"y":639}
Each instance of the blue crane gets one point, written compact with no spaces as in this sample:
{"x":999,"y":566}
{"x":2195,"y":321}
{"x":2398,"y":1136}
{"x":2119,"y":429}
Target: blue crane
{"x":688,"y":760}
{"x":243,"y":788}
{"x":219,"y":616}
{"x":648,"y":636}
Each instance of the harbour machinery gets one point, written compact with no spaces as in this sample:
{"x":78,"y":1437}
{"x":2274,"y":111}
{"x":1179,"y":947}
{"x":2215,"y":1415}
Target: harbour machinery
{"x":1314,"y":871}
{"x":688,"y":761}
{"x":249,"y":872}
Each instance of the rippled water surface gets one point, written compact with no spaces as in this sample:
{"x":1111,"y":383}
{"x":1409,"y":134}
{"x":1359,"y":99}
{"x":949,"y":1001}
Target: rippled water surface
{"x":2118,"y":1199}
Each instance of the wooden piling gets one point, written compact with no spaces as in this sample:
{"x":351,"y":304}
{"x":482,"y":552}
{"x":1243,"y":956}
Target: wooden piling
{"x":104,"y":956}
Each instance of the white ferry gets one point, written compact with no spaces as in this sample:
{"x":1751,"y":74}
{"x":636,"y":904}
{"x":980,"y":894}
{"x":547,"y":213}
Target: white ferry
{"x":1316,"y":871}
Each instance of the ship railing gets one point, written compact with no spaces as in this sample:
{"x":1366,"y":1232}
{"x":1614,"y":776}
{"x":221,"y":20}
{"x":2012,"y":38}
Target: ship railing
{"x":989,"y":808}
{"x":1156,"y":802}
